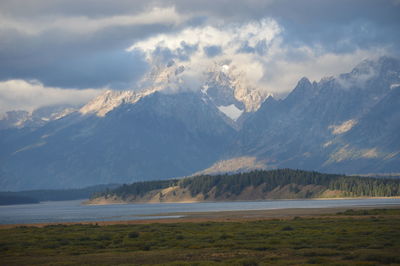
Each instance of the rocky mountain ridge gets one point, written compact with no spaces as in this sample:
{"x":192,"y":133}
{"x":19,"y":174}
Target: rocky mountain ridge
{"x":328,"y":126}
{"x":35,"y":119}
{"x":346,"y":124}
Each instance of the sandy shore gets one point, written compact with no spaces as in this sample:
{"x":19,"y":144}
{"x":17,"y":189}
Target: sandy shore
{"x":117,"y":202}
{"x":227,"y":216}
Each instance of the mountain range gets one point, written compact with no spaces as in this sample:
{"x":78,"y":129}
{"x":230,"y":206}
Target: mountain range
{"x":348,"y":123}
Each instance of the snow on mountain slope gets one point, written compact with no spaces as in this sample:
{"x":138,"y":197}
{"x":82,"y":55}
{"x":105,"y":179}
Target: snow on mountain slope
{"x":226,"y":85}
{"x":171,"y":130}
{"x":223,"y":84}
{"x":347,"y":123}
{"x":160,"y":78}
{"x":231,"y":111}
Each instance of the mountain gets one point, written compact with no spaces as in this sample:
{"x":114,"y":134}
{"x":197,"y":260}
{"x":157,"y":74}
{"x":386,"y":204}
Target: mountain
{"x":110,"y":99}
{"x":345,"y":124}
{"x":228,"y":89}
{"x":166,"y":128}
{"x":35,"y":119}
{"x":234,"y":165}
{"x":160,"y":136}
{"x":222,"y":84}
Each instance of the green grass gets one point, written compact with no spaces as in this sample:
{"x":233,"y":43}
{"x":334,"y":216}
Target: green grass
{"x":359,"y":239}
{"x":352,"y":212}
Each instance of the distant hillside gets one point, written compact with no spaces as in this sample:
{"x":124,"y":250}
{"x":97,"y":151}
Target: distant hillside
{"x":255,"y":185}
{"x":15,"y":199}
{"x":36,"y":196}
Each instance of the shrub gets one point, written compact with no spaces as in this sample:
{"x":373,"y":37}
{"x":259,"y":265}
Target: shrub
{"x":133,"y":235}
{"x":287,"y":228}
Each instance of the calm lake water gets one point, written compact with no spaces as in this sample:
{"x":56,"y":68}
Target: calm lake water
{"x":74,"y":211}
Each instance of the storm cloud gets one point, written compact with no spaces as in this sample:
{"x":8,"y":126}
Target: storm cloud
{"x":76,"y":45}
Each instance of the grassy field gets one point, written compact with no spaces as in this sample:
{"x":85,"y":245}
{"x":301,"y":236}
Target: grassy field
{"x":359,"y":237}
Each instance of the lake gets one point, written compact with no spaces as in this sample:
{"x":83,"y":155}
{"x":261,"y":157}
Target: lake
{"x":74,"y":211}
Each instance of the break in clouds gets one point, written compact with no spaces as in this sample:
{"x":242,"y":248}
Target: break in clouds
{"x":68,"y":51}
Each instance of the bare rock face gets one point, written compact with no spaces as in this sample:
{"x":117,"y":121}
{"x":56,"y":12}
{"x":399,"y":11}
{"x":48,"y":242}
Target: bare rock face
{"x":159,"y":136}
{"x":234,"y":165}
{"x":341,"y":124}
{"x":165,"y":128}
{"x":110,"y":100}
{"x":35,"y":119}
{"x":226,"y":85}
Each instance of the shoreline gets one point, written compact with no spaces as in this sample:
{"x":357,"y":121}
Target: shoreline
{"x":221,"y":216}
{"x":88,"y":203}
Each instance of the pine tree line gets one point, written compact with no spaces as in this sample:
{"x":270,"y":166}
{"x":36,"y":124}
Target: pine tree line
{"x":136,"y":189}
{"x":366,"y":186}
{"x":352,"y":186}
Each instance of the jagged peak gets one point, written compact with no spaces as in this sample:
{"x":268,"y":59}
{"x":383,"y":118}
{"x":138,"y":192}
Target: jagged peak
{"x":163,"y":76}
{"x":303,"y":90}
{"x":270,"y":98}
{"x":327,"y":79}
{"x":229,"y":80}
{"x":377,"y":65}
{"x":228,"y":77}
{"x":385,"y":68}
{"x":111,"y":99}
{"x":304,"y":81}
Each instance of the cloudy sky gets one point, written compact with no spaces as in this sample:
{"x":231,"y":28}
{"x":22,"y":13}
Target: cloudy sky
{"x":67,"y":51}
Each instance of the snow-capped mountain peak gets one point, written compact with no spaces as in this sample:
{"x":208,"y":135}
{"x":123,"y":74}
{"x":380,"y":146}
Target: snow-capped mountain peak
{"x":163,"y":77}
{"x":385,"y":71}
{"x":222,"y":83}
{"x":105,"y":102}
{"x":227,"y":84}
{"x":111,"y":99}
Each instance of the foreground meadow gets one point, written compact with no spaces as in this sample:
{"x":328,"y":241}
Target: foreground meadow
{"x":364,"y":237}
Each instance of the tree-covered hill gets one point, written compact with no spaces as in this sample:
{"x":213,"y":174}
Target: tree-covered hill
{"x":254,"y":185}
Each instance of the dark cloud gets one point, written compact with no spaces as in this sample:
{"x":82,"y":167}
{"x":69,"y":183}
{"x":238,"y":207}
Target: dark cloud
{"x":116,"y":69}
{"x":75,"y":61}
{"x":338,"y":26}
{"x":89,"y":8}
{"x":63,"y":58}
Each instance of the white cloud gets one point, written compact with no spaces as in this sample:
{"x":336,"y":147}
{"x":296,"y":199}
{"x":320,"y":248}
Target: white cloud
{"x":24,"y":95}
{"x":233,"y":39}
{"x":282,"y":73}
{"x":256,"y":49}
{"x":84,"y":25}
{"x":230,"y":38}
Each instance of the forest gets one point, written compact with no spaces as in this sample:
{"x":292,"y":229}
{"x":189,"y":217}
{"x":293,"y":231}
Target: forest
{"x":351,"y":186}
